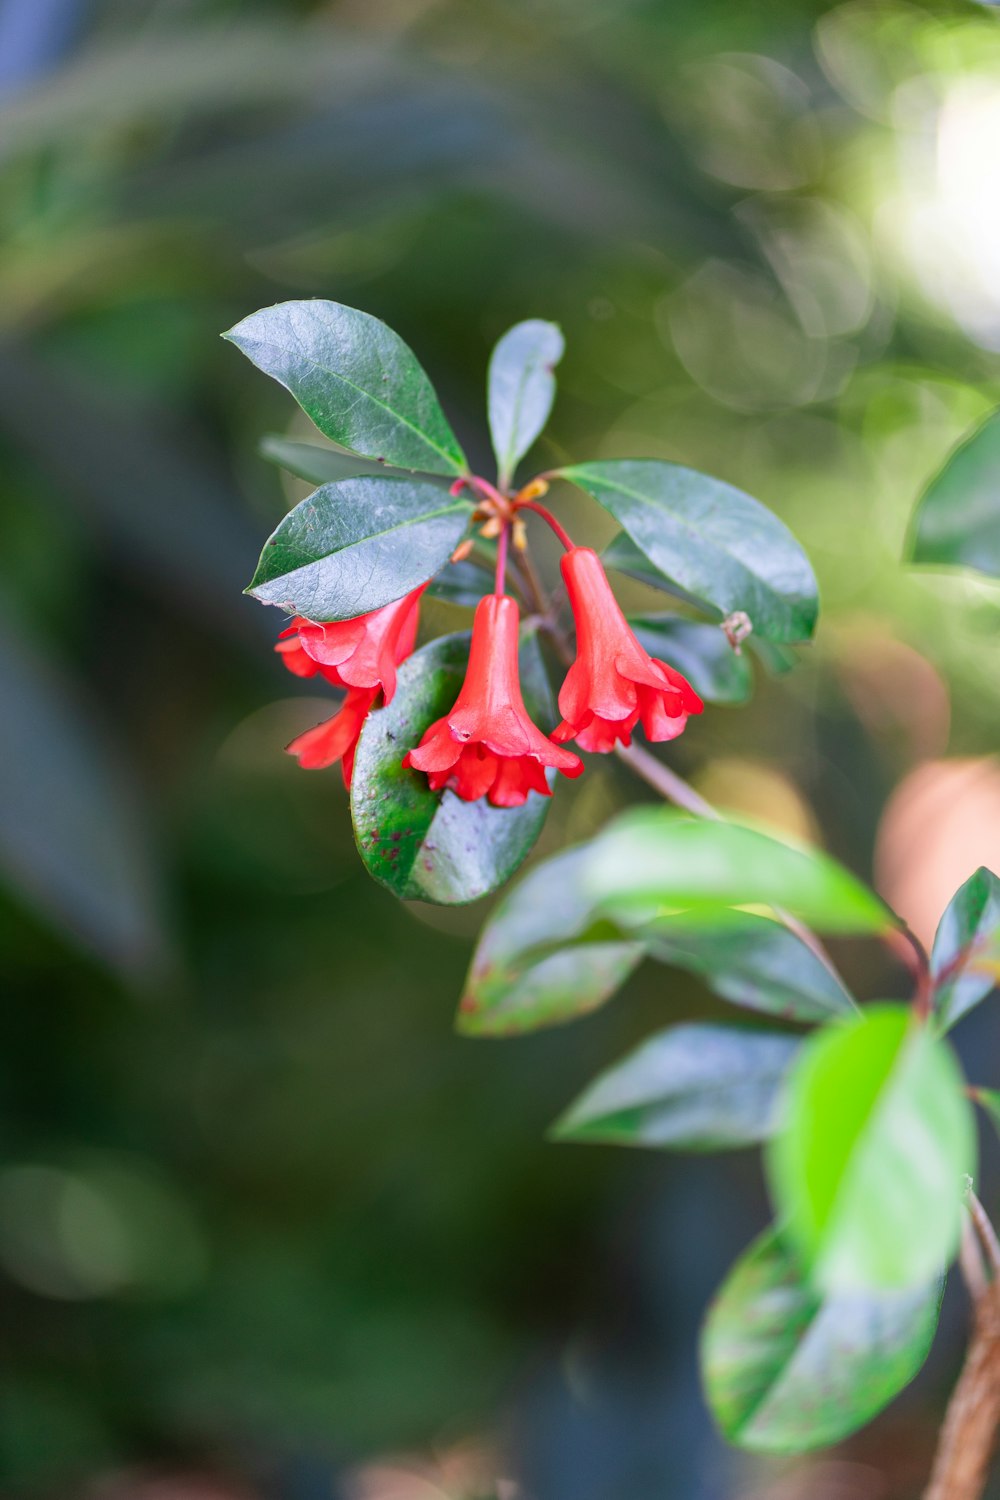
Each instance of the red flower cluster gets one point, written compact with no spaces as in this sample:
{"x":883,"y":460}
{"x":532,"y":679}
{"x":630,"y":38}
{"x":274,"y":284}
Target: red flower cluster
{"x":487,"y":746}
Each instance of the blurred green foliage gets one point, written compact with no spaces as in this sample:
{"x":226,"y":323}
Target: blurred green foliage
{"x":263,"y":1216}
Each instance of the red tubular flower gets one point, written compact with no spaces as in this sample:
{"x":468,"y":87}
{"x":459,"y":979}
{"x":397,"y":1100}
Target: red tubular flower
{"x":614,"y":684}
{"x":361,"y":653}
{"x":487,"y":746}
{"x":337,"y":738}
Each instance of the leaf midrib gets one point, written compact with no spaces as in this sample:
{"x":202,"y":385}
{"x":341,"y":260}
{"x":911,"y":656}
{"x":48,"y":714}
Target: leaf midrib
{"x":457,"y":467}
{"x":313,"y":562}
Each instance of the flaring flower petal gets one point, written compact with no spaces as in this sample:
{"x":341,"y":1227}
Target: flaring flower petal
{"x":488,"y":746}
{"x":614,"y":683}
{"x":336,"y":738}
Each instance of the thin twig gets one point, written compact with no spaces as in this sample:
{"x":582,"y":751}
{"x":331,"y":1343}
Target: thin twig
{"x":500,"y":585}
{"x":669,"y":785}
{"x":968,"y":1436}
{"x":970,"y":1260}
{"x":676,"y":790}
{"x":987,"y":1234}
{"x":550,"y":520}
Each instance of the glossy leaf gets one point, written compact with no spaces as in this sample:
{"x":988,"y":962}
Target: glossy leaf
{"x":353,"y":546}
{"x":521,"y":390}
{"x":965,"y":961}
{"x":655,"y":858}
{"x":542,"y":958}
{"x":753,"y":961}
{"x":319,"y":465}
{"x":787,"y":1368}
{"x":463,"y":583}
{"x":357,"y":381}
{"x":426,"y":845}
{"x":624,"y":556}
{"x":711,"y":539}
{"x":870,"y":1165}
{"x":700,"y":652}
{"x":957,"y":521}
{"x":693,"y":1088}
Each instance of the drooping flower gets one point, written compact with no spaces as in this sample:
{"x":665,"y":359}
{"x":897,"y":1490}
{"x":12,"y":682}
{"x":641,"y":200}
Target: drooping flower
{"x":294,"y":656}
{"x":487,"y":746}
{"x":360,"y":655}
{"x":363,"y":652}
{"x":336,"y":738}
{"x":614,"y":684}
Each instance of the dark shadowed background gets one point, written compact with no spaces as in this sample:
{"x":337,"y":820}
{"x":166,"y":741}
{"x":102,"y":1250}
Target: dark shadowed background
{"x":268,"y":1229}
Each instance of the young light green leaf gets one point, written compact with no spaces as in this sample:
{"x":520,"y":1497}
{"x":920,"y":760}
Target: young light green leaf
{"x":357,"y":381}
{"x":965,"y":961}
{"x":521,"y":389}
{"x":957,"y":521}
{"x":426,"y":845}
{"x":754,"y":961}
{"x":701,"y":652}
{"x":542,"y":958}
{"x":353,"y":546}
{"x":711,"y":539}
{"x":690,"y":1088}
{"x":319,"y":465}
{"x":654,"y":858}
{"x":869,"y":1167}
{"x":787,"y":1368}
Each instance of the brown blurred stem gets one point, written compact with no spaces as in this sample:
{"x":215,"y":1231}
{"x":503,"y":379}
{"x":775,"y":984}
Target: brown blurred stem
{"x":968,"y":1438}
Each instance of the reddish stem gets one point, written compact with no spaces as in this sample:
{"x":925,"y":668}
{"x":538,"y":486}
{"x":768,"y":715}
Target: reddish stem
{"x":911,"y":951}
{"x":500,"y":586}
{"x":546,"y":515}
{"x":500,"y":500}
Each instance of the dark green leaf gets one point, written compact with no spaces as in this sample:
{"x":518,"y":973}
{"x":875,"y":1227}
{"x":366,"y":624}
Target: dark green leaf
{"x":624,"y":556}
{"x":701,"y":652}
{"x":356,"y":379}
{"x":693,"y":1088}
{"x":541,"y":958}
{"x":320,"y":465}
{"x":653,"y":858}
{"x":965,"y":962}
{"x":462,"y":583}
{"x":787,"y":1369}
{"x":957,"y":521}
{"x":353,"y":546}
{"x":427,"y":845}
{"x":870,"y":1165}
{"x":752,"y":961}
{"x":521,"y":390}
{"x":711,"y":539}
